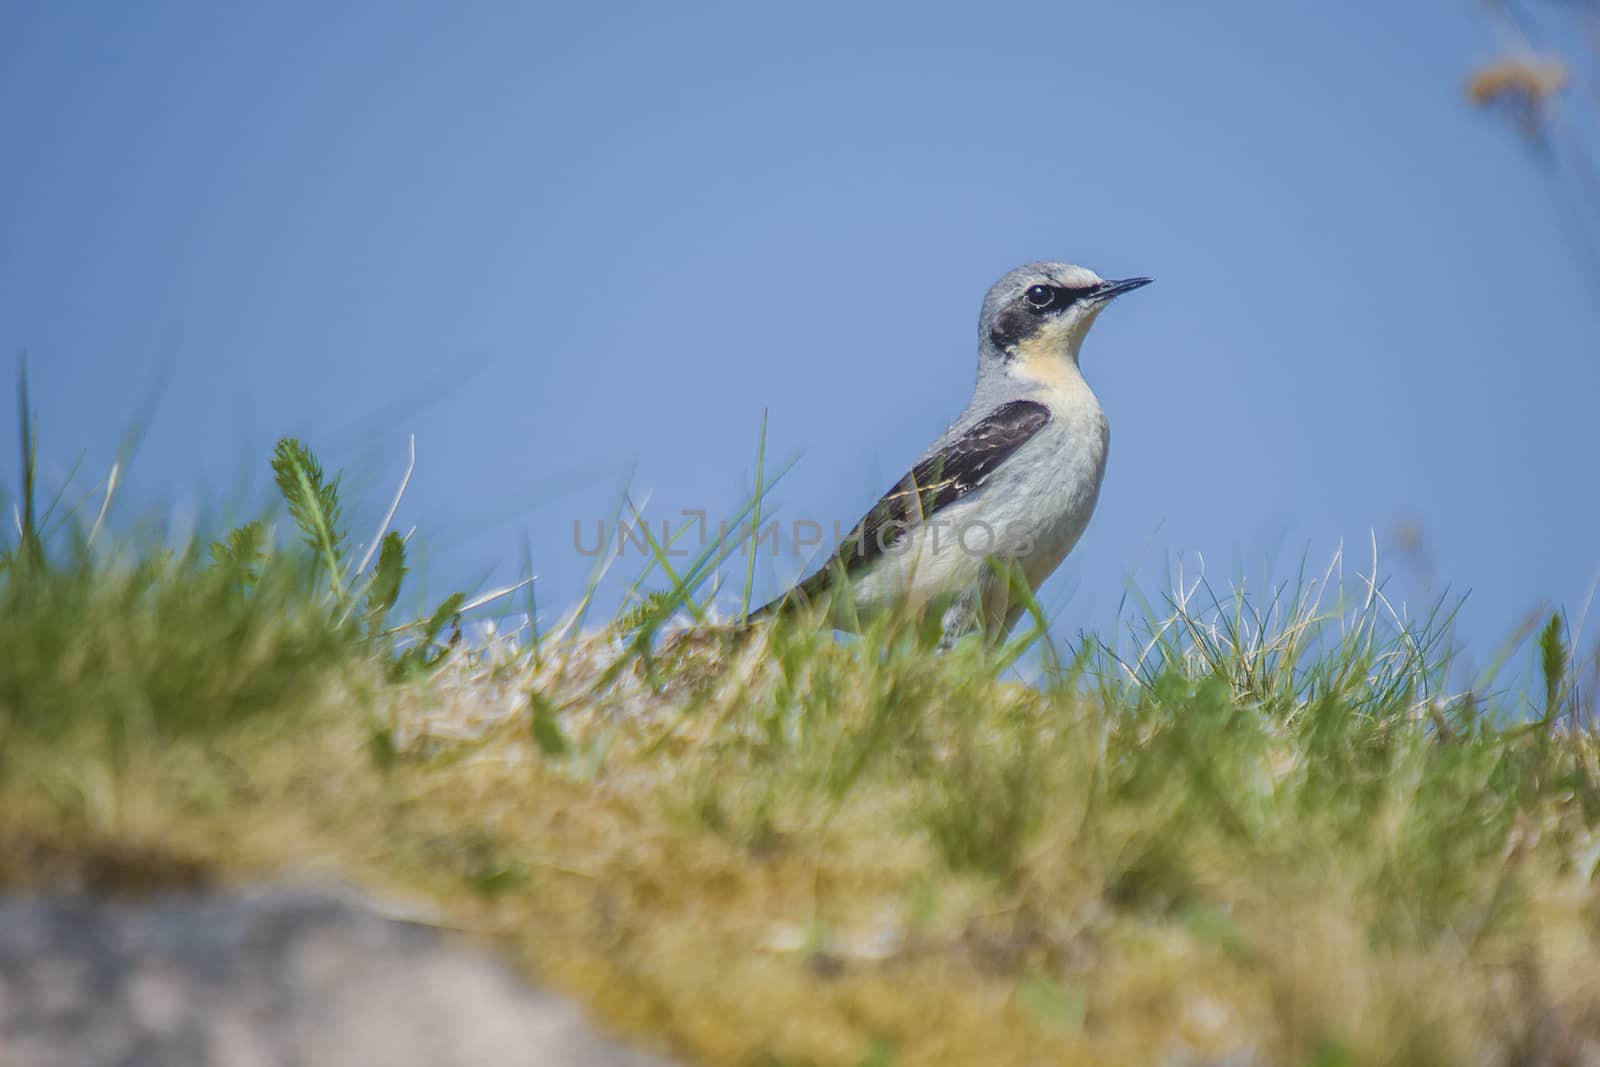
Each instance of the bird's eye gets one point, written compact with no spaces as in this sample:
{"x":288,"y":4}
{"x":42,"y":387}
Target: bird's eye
{"x":1039,"y":297}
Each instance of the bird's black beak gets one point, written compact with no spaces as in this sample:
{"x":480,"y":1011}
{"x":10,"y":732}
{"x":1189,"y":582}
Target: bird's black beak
{"x":1108,"y":290}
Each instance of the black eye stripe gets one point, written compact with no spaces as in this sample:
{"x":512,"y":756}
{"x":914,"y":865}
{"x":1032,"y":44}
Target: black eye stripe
{"x":1041,"y":298}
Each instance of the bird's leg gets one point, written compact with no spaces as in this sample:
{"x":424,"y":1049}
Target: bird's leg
{"x":964,"y":613}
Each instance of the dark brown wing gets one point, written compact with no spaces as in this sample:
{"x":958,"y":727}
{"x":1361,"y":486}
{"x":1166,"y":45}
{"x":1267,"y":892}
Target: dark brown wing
{"x":933,"y":484}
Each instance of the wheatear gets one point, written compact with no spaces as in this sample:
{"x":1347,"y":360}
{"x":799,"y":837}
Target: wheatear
{"x":1005,"y":492}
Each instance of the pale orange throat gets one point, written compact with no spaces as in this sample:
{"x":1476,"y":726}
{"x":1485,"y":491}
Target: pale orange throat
{"x":1046,"y":364}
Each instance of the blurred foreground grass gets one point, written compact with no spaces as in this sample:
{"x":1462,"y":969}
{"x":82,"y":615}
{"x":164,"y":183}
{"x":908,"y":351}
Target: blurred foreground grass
{"x":1266,"y":833}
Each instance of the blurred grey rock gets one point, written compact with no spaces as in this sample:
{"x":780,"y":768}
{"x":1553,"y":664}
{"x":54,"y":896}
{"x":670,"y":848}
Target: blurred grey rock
{"x":273,"y":977}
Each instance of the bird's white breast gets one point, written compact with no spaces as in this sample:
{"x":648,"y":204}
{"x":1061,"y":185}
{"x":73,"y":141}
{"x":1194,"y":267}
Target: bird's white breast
{"x":1063,"y":467}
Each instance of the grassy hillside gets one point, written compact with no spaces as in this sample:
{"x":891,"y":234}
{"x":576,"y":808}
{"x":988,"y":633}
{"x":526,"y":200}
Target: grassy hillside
{"x":1243,"y":832}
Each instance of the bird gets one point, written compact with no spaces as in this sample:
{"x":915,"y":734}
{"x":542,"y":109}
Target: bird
{"x":1003,"y":494}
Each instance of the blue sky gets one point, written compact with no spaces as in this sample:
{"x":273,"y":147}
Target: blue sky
{"x":569,"y":244}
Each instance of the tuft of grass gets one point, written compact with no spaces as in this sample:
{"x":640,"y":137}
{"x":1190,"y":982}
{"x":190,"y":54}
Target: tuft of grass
{"x":104,"y":650}
{"x":109,"y":660}
{"x":164,"y":646}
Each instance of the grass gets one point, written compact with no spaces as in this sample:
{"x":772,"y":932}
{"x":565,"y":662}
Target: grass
{"x":1252,"y":828}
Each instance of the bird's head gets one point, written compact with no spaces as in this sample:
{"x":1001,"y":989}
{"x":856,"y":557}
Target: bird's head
{"x":1036,"y":317}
